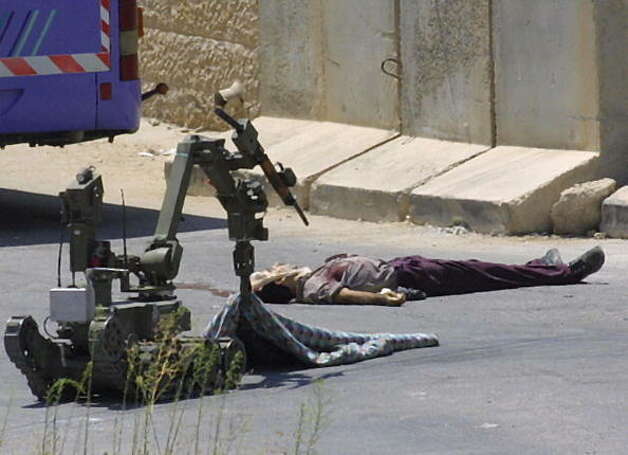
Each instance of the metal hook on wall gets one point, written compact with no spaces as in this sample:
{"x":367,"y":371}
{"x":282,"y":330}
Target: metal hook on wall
{"x":390,"y":73}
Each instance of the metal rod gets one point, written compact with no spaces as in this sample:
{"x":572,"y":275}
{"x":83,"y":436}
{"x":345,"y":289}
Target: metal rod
{"x":126,"y":257}
{"x":230,"y":120}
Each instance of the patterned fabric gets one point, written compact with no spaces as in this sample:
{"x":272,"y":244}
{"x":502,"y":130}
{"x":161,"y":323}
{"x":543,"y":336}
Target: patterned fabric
{"x":312,"y":345}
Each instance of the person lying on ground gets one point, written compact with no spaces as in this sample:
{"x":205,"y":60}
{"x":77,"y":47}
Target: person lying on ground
{"x":352,"y":279}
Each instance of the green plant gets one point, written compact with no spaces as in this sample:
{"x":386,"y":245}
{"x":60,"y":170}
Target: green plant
{"x":235,"y":371}
{"x":312,"y":420}
{"x":5,"y":422}
{"x":176,"y":372}
{"x":51,"y":443}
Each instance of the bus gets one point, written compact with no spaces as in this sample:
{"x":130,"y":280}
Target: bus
{"x":68,"y":70}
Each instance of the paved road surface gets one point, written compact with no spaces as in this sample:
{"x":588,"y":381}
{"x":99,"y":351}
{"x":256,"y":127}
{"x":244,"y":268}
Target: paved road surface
{"x":529,"y":371}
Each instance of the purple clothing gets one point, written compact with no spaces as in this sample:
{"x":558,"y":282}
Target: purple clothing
{"x":444,"y":277}
{"x":357,"y":273}
{"x":432,"y":276}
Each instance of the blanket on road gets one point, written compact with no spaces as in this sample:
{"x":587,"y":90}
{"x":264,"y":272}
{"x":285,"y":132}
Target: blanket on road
{"x":311,"y":345}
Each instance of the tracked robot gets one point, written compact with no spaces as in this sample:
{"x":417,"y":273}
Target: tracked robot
{"x":96,"y":331}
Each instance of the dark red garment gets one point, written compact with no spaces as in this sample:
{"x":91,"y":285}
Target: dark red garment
{"x":444,"y":277}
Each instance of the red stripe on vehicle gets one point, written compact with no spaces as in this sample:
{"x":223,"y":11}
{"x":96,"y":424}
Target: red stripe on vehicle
{"x":106,"y":58}
{"x":129,"y":68}
{"x":67,"y":64}
{"x":106,"y":91}
{"x":19,"y":66}
{"x":128,"y":15}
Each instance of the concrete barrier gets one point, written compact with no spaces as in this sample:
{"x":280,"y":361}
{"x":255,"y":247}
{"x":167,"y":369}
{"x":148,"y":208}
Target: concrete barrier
{"x":539,"y":79}
{"x":320,"y":59}
{"x":447,"y":70}
{"x":291,"y":58}
{"x":508,"y":190}
{"x":546,"y":84}
{"x":312,"y":149}
{"x":358,"y":36}
{"x":611,"y":20}
{"x":376,"y":185}
{"x":615,"y":214}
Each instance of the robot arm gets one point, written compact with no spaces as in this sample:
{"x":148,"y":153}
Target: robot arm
{"x":245,"y":138}
{"x":243,"y":200}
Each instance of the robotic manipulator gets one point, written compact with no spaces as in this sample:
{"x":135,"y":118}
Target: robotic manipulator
{"x":91,"y":326}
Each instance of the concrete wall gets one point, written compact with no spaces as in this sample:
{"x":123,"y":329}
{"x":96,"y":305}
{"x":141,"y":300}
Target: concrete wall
{"x":561,"y":68}
{"x":291,"y":58}
{"x":320,"y":59}
{"x":611,"y":20}
{"x":198,"y":47}
{"x":535,"y":73}
{"x":447,"y":70}
{"x":546,"y":84}
{"x":359,"y":35}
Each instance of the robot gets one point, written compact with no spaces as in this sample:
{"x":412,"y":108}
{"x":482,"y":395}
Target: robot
{"x":98,"y":333}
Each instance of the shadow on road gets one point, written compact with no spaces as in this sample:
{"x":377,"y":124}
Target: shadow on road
{"x":31,"y":219}
{"x":292,"y":379}
{"x":271,"y":378}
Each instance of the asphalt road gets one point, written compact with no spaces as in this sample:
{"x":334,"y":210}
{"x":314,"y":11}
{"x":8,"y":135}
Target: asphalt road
{"x":528,"y":371}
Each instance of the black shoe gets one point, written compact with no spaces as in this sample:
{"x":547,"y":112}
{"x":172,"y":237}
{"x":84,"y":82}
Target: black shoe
{"x":552,"y":257}
{"x":587,"y":264}
{"x":412,"y":294}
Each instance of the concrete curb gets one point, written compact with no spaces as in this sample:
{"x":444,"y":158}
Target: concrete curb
{"x":376,"y":175}
{"x":615,"y":214}
{"x":376,"y":185}
{"x":508,"y":190}
{"x":312,"y":150}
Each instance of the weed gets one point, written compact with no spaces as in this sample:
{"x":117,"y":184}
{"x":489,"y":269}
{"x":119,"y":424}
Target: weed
{"x":312,"y":420}
{"x":172,"y":369}
{"x":234,"y":372}
{"x":3,"y":429}
{"x":51,"y":444}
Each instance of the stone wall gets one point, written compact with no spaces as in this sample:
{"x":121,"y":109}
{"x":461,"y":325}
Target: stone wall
{"x":198,"y":47}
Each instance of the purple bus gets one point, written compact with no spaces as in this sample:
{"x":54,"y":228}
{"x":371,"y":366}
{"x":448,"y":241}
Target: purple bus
{"x":68,"y":70}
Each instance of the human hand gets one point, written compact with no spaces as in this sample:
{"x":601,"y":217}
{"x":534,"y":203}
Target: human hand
{"x":391,"y":298}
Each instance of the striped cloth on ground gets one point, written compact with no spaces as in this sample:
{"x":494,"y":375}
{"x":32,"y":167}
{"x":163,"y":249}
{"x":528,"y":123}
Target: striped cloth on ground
{"x":312,"y":345}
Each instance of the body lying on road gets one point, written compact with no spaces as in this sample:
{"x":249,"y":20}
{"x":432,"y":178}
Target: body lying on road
{"x":352,"y":279}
